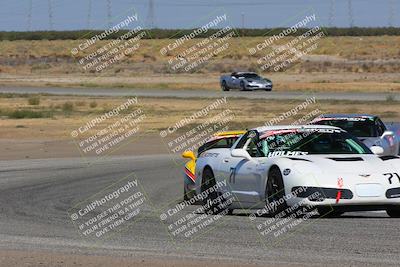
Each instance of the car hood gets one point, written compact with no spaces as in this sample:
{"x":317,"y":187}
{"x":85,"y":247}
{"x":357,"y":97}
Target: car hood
{"x":346,"y":164}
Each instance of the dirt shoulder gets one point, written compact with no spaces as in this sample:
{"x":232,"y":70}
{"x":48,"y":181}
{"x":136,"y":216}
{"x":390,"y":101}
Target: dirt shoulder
{"x":14,"y":149}
{"x":11,"y":258}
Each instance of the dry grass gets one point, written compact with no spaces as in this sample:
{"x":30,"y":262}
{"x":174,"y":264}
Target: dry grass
{"x":161,"y":113}
{"x":355,"y":54}
{"x":338,"y":64}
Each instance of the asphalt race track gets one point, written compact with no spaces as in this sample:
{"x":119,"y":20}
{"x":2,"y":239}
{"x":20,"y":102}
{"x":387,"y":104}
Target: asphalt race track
{"x":200,"y":93}
{"x":35,"y":196}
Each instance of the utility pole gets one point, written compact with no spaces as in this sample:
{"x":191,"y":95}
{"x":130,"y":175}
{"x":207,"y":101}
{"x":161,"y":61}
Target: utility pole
{"x":150,"y":15}
{"x":89,"y":15}
{"x":29,"y":28}
{"x":351,"y":16}
{"x":50,"y":10}
{"x":109,"y":14}
{"x":391,"y":13}
{"x":331,"y":13}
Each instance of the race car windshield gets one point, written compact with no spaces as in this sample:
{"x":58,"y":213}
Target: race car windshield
{"x":250,"y":76}
{"x":359,"y":128}
{"x":312,"y":142}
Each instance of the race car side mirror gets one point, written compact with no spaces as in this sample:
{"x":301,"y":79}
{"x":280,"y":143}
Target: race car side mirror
{"x":240,"y":153}
{"x":189,"y":155}
{"x":387,"y":133}
{"x":377,"y":150}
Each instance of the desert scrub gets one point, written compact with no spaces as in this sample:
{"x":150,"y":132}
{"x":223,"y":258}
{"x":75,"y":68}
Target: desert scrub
{"x":34,"y":100}
{"x":93,"y":104}
{"x":68,"y":107}
{"x":26,"y":114}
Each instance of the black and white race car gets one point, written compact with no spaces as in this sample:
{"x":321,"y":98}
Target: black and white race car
{"x":368,"y":128}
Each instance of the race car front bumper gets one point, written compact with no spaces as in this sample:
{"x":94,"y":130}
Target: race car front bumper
{"x":259,"y":87}
{"x":346,"y":199}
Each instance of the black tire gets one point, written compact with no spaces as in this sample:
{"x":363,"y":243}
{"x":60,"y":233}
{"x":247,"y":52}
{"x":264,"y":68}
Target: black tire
{"x":393,"y":212}
{"x":185,"y":196}
{"x":224,"y":86}
{"x":275,"y":191}
{"x":329,"y":212}
{"x":242,"y":87}
{"x":208,"y":182}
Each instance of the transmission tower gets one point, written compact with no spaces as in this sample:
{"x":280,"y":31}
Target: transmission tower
{"x":89,"y":15}
{"x":50,"y":9}
{"x":29,"y":15}
{"x":391,"y":13}
{"x":150,"y":15}
{"x":351,"y":16}
{"x":331,"y":13}
{"x":109,"y":14}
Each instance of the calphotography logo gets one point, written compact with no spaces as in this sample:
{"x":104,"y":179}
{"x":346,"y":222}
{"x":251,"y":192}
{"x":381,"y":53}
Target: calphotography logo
{"x":208,"y":124}
{"x":107,"y":132}
{"x":110,"y":210}
{"x":191,"y":52}
{"x":281,"y":50}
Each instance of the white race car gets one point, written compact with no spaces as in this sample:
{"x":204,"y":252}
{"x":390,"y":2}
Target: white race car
{"x":278,"y":167}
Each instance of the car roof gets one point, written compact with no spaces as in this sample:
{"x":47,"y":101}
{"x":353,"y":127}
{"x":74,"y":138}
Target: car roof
{"x":244,"y":72}
{"x":294,"y":127}
{"x":350,"y":116}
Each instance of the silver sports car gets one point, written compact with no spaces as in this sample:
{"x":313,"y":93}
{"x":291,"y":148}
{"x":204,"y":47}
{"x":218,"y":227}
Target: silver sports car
{"x":245,"y":81}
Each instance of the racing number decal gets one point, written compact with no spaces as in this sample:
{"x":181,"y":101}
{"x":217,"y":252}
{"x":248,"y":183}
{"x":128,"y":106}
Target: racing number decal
{"x":232,"y":174}
{"x":391,"y":175}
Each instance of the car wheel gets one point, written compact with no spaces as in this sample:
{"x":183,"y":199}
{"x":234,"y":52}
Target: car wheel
{"x":242,"y":86}
{"x":329,"y":212}
{"x":275,"y":192}
{"x":224,"y":86}
{"x":209,"y":182}
{"x":393,"y":212}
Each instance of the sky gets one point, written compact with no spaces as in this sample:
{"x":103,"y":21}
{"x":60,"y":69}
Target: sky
{"x":22,"y":15}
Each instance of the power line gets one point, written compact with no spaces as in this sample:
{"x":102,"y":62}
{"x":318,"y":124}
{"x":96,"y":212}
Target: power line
{"x":29,"y":16}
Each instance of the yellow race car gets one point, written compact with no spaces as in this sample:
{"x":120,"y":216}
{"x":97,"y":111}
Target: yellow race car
{"x":219,"y":140}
